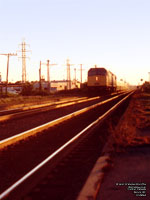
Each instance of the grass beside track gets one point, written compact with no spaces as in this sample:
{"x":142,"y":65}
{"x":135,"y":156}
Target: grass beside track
{"x":21,"y":101}
{"x":135,"y":123}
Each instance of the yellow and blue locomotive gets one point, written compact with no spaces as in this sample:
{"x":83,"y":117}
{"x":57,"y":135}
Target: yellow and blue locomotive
{"x":100,"y":79}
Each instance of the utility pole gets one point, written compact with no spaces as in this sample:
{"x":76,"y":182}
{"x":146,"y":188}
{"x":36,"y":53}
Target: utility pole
{"x":8,"y":55}
{"x":68,"y":75}
{"x":48,"y":76}
{"x":81,"y":70}
{"x":40,"y":84}
{"x":0,"y":83}
{"x":23,"y":57}
{"x":75,"y":80}
{"x":149,"y":76}
{"x":48,"y":72}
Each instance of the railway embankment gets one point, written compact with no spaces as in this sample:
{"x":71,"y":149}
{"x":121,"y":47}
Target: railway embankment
{"x":23,"y":101}
{"x":19,"y":101}
{"x":122,"y":172}
{"x":129,"y":148}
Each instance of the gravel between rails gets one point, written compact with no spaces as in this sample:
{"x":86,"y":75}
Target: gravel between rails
{"x":16,"y":126}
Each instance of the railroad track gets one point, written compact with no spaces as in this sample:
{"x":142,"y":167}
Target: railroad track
{"x":15,"y":123}
{"x":6,"y":115}
{"x":14,"y":113}
{"x":53,"y":142}
{"x":36,"y":106}
{"x":25,"y":120}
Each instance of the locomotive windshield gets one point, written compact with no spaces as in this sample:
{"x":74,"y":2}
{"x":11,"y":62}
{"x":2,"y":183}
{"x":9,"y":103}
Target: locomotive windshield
{"x":97,"y":71}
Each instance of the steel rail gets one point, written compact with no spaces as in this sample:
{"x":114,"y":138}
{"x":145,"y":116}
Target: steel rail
{"x":37,"y":106}
{"x":23,"y":108}
{"x":12,"y":140}
{"x":41,"y":108}
{"x":90,"y":127}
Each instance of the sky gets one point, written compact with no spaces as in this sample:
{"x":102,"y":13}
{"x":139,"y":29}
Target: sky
{"x":114,"y":34}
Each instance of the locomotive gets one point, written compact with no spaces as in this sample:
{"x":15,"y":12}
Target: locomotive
{"x":100,"y":79}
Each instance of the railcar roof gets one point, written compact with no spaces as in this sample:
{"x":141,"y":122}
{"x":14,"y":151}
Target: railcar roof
{"x":98,"y":71}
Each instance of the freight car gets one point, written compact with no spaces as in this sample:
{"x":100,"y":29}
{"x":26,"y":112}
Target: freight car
{"x":101,"y":80}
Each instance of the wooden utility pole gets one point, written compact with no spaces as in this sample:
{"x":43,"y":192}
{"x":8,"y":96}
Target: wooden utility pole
{"x":8,"y":55}
{"x":81,"y":70}
{"x":75,"y":79}
{"x":149,"y":76}
{"x":48,"y":73}
{"x":48,"y":76}
{"x":68,"y":74}
{"x":40,"y":84}
{"x":1,"y":84}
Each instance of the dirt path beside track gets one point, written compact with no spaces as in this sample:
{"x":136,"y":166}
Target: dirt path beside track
{"x":22,"y":101}
{"x":129,"y":147}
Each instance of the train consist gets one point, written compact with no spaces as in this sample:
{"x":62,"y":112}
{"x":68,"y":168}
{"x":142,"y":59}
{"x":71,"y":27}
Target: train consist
{"x":102,"y":80}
